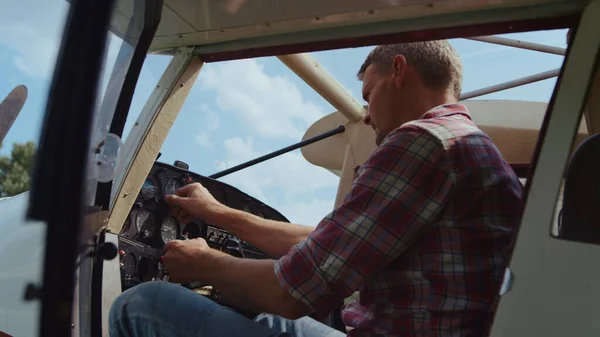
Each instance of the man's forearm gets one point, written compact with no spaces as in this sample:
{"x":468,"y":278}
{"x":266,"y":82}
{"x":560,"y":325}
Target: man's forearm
{"x":275,"y":238}
{"x":259,"y":291}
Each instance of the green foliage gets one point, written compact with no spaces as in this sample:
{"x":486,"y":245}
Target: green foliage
{"x":16,"y":169}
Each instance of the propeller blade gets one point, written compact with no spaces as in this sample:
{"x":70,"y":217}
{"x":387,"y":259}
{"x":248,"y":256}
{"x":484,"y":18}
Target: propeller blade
{"x":10,"y":108}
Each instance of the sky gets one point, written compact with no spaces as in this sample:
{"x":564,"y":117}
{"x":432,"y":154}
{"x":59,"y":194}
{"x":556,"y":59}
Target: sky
{"x":239,"y":110}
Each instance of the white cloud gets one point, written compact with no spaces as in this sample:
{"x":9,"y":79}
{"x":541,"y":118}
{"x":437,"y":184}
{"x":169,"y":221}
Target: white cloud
{"x":291,"y":169}
{"x":269,"y":108}
{"x":32,"y":30}
{"x":33,"y":35}
{"x":272,"y":106}
{"x":209,"y":121}
{"x":288,"y":183}
{"x":308,"y":213}
{"x":204,"y":140}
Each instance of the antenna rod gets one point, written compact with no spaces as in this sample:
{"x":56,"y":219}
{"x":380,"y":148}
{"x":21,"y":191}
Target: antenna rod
{"x":339,"y":129}
{"x":520,"y":44}
{"x":510,"y":84}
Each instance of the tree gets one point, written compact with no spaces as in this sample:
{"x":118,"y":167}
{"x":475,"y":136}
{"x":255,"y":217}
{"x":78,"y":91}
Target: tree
{"x":16,"y":170}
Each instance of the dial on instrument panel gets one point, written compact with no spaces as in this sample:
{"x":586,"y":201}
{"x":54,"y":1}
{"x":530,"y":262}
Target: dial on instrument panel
{"x":169,"y":229}
{"x":172,"y":186}
{"x":143,"y":222}
{"x":192,"y":231}
{"x":149,"y":189}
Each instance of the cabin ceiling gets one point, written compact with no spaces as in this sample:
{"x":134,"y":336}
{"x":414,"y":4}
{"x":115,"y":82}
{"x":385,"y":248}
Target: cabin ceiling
{"x":205,"y":22}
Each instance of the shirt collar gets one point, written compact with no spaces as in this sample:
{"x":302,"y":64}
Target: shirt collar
{"x":446,"y":110}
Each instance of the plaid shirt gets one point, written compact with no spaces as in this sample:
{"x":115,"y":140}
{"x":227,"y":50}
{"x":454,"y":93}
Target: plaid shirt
{"x":422,"y":234}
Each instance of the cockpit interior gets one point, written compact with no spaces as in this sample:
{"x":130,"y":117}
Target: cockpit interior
{"x":100,"y":210}
{"x":150,"y":226}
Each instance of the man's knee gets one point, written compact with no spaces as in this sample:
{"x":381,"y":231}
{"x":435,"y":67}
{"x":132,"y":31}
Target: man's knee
{"x":152,"y":298}
{"x":135,"y":300}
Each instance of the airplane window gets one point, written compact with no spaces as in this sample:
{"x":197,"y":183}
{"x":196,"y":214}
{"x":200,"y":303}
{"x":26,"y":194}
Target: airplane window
{"x":575,"y":215}
{"x":154,"y":66}
{"x":242,"y":109}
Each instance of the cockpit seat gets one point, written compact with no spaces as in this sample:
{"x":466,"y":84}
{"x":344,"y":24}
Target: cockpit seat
{"x":579,"y":218}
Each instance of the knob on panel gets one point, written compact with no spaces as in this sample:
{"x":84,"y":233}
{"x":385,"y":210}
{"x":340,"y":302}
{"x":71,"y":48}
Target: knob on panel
{"x":181,"y":165}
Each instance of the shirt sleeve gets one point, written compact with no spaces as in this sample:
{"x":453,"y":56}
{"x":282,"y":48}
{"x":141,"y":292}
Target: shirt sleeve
{"x":398,"y":194}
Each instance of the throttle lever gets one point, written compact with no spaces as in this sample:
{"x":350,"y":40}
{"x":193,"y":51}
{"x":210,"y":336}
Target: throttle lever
{"x":191,"y":285}
{"x":184,"y":237}
{"x":234,"y":247}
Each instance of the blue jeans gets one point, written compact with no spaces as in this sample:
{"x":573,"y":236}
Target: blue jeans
{"x":165,"y":309}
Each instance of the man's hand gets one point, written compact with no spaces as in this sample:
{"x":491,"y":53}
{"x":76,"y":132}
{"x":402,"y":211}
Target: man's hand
{"x":193,"y":201}
{"x":246,"y":283}
{"x":187,"y":260}
{"x":275,"y":238}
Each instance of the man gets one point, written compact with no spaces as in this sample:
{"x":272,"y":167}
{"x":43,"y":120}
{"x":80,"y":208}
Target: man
{"x":423,"y":234}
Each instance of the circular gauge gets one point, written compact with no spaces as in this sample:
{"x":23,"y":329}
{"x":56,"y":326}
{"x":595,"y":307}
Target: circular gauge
{"x":172,"y":186}
{"x":149,"y":189}
{"x":143,"y":222}
{"x":169,"y":229}
{"x":192,"y":230}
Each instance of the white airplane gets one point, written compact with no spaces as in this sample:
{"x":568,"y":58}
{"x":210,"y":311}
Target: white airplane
{"x":94,"y":222}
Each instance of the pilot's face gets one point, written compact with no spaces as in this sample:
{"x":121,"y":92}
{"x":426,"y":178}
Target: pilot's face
{"x":377,"y":92}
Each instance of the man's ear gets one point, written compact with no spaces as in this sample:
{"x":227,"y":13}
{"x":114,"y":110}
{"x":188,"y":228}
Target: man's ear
{"x":399,"y":70}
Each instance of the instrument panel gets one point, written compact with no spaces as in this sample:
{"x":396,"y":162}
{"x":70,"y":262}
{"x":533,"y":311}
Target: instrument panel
{"x":150,"y":225}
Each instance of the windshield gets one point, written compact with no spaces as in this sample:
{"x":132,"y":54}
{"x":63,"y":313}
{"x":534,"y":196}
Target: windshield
{"x":242,"y":109}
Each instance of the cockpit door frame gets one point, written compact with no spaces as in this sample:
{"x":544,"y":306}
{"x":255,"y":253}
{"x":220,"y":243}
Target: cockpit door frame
{"x":151,"y":12}
{"x":58,"y":184}
{"x":546,"y":271}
